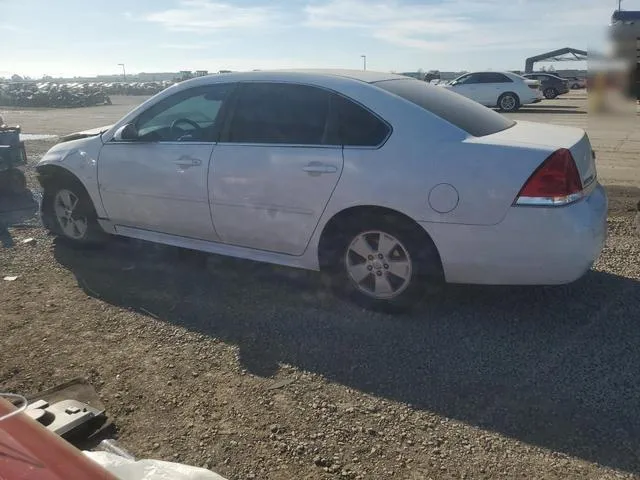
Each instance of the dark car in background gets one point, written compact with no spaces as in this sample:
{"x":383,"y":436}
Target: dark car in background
{"x":551,"y":85}
{"x":575,"y":83}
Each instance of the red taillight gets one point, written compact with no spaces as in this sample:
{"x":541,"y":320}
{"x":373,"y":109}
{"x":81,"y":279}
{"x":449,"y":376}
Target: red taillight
{"x":555,"y":182}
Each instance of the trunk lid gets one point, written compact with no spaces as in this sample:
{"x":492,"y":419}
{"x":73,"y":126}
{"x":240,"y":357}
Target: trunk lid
{"x":551,"y":138}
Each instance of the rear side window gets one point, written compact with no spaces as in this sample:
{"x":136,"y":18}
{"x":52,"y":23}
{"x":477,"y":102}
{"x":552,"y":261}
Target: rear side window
{"x":280,"y":113}
{"x":495,"y":78}
{"x":460,"y":111}
{"x":357,"y":127}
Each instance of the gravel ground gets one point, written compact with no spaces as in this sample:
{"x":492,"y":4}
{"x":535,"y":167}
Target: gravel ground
{"x":257,"y":372}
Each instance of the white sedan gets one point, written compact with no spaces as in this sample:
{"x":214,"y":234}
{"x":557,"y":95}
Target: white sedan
{"x":381,"y":180}
{"x":504,"y":90}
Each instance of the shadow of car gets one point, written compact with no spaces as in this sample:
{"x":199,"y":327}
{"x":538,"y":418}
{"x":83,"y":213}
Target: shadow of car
{"x":555,"y":367}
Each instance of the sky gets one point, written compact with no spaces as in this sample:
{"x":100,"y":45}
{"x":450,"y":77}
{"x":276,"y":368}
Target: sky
{"x":89,"y":37}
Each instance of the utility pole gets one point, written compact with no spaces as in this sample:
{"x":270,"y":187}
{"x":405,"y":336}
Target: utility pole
{"x":124,"y":73}
{"x":619,"y":5}
{"x":364,"y":60}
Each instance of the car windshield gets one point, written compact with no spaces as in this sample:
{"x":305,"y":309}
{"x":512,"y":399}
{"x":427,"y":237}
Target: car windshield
{"x":460,"y":111}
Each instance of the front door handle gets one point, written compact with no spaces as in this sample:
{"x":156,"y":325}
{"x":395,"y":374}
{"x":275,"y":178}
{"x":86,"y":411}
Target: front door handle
{"x":318,"y":168}
{"x":186,"y":161}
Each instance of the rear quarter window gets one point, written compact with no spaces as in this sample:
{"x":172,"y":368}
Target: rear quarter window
{"x":460,"y":111}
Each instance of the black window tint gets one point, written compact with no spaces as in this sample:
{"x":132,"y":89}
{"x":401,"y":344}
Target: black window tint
{"x":471,"y":79}
{"x":280,"y":113}
{"x":357,"y":127}
{"x":495,"y":78}
{"x":465,"y":114}
{"x":176,"y":117}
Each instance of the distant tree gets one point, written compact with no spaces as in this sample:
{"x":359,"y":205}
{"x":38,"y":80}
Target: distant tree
{"x":16,"y":78}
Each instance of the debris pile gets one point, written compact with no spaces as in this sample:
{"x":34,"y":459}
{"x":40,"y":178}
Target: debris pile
{"x":53,"y":95}
{"x":136,"y":88}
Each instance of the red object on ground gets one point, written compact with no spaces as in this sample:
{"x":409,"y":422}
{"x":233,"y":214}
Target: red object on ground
{"x":28,"y":451}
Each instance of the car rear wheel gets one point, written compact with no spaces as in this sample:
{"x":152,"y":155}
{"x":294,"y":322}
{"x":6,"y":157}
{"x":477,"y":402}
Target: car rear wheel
{"x":508,"y":102}
{"x":384,"y":265}
{"x":550,"y":93}
{"x":68,"y":212}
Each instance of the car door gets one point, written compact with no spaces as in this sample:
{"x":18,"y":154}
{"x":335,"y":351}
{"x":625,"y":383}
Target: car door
{"x":157,"y":180}
{"x":275,"y":167}
{"x":494,"y":85}
{"x":470,"y":86}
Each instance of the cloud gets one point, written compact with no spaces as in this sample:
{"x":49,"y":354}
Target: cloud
{"x":189,"y":46}
{"x":209,"y":16}
{"x":9,"y":28}
{"x":463,"y":25}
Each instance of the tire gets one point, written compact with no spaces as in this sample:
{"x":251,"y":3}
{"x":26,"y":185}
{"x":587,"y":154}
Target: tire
{"x":68,"y":213}
{"x":550,"y":93}
{"x":509,"y":102}
{"x":383,"y":264}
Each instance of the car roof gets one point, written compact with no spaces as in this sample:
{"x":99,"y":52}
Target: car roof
{"x":300,"y":74}
{"x":546,"y":74}
{"x":490,"y":71}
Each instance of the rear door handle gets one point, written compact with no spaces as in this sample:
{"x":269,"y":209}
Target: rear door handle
{"x":317,"y":168}
{"x":188,"y":162}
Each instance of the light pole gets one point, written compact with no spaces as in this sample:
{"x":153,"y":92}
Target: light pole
{"x":364,"y":61}
{"x":124,"y":73}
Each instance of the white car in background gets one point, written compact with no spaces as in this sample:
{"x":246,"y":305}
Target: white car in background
{"x":504,"y":90}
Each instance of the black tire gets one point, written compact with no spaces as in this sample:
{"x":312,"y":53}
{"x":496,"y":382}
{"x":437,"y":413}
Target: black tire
{"x":550,"y":93}
{"x":83,"y":213}
{"x":425,"y":267}
{"x":509,"y":102}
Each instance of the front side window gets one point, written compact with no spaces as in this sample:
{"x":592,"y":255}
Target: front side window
{"x":469,"y":79}
{"x":187,"y":116}
{"x":280,"y":113}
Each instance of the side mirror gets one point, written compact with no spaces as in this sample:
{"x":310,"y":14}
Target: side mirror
{"x":126,"y":133}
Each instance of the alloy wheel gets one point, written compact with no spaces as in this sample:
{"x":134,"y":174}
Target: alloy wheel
{"x":378,"y":265}
{"x":508,"y":102}
{"x":65,"y":205}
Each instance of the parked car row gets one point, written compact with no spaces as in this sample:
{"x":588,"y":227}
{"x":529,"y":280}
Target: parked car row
{"x":52,"y":95}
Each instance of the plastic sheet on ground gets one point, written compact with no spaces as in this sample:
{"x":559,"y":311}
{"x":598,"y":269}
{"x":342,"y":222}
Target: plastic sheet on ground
{"x":126,"y":469}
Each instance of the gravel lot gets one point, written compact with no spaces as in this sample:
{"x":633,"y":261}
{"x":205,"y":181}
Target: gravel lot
{"x":257,"y":372}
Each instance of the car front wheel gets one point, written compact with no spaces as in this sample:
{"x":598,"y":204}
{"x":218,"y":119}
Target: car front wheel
{"x":68,"y":212}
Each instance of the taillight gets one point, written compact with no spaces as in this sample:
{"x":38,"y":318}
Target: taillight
{"x":534,"y":87}
{"x":555,"y":182}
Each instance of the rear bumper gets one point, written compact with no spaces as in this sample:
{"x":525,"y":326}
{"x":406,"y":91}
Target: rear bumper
{"x":531,"y":246}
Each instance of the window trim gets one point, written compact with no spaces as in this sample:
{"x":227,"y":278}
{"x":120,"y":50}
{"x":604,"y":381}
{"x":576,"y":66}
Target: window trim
{"x":217,"y":126}
{"x":233,"y":100}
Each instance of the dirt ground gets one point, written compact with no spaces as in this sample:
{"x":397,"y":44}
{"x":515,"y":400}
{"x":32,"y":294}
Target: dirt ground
{"x":258,"y":372}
